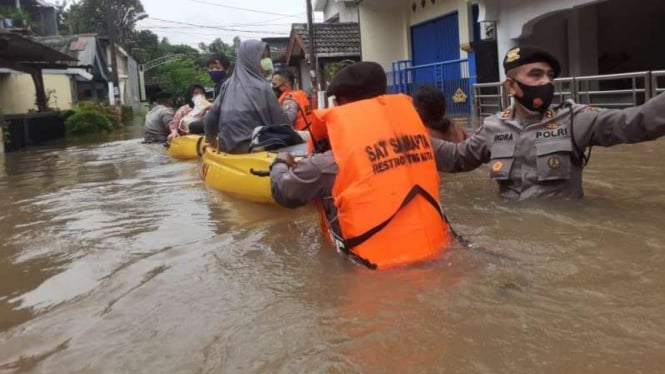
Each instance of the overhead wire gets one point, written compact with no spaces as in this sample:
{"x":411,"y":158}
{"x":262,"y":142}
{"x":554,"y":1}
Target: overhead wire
{"x":226,"y":6}
{"x":218,"y":27}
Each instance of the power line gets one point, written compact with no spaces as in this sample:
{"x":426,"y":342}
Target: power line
{"x":243,"y":9}
{"x":218,"y":27}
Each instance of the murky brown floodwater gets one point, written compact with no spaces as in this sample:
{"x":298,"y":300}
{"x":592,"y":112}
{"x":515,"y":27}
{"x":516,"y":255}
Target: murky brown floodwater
{"x":116,"y":259}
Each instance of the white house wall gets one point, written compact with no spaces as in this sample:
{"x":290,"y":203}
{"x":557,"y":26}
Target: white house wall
{"x":348,"y":11}
{"x":385,"y":26}
{"x":516,"y":19}
{"x":383,"y":34}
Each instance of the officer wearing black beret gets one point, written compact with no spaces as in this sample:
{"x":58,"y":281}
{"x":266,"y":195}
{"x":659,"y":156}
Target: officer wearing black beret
{"x":537,"y":150}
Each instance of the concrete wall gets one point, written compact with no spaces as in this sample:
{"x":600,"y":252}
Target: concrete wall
{"x":347,"y":11}
{"x":518,"y":19}
{"x":630,"y":37}
{"x":17,"y":92}
{"x":383,"y":33}
{"x":305,"y":77}
{"x":134,"y":93}
{"x":385,"y":26}
{"x":552,"y":34}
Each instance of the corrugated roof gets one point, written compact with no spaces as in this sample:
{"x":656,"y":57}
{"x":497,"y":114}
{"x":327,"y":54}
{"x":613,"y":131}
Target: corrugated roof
{"x":278,"y":47}
{"x":85,"y":48}
{"x":81,"y":47}
{"x":332,"y":39}
{"x":22,"y":50}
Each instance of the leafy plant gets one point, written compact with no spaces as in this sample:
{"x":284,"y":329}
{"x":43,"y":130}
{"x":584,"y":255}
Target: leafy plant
{"x":113,"y":114}
{"x":89,"y":117}
{"x":87,"y":122}
{"x":18,"y":17}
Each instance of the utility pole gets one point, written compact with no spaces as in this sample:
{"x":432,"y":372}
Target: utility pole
{"x":313,"y":59}
{"x":110,"y":29}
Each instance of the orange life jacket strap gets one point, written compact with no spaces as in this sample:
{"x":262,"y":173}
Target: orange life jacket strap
{"x":417,"y":190}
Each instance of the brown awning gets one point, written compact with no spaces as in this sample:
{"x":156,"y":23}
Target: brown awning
{"x":19,"y":50}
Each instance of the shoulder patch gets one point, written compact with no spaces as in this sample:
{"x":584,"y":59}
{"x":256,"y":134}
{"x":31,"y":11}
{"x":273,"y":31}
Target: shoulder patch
{"x":549,"y":113}
{"x":591,"y":109}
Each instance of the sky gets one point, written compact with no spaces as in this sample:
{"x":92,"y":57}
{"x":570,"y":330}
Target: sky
{"x":193,"y":21}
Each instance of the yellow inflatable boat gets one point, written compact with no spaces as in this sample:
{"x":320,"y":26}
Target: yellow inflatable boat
{"x":244,"y":176}
{"x":186,"y":147}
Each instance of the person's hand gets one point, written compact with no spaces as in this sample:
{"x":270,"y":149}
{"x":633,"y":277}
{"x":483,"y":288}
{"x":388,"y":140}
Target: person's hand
{"x":210,"y":143}
{"x":173,"y":134}
{"x":287,"y":157}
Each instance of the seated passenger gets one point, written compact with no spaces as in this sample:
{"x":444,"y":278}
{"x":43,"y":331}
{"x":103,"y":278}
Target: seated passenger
{"x":187,"y":119}
{"x":246,"y":101}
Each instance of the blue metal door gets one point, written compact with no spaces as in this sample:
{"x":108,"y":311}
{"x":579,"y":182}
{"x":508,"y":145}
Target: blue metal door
{"x":434,"y":41}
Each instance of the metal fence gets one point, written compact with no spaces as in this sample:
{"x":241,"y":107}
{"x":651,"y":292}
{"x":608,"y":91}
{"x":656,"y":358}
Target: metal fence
{"x":658,"y":82}
{"x":455,"y":78}
{"x":607,"y":91}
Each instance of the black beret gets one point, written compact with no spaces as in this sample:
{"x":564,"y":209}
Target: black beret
{"x":527,"y":54}
{"x":362,"y":80}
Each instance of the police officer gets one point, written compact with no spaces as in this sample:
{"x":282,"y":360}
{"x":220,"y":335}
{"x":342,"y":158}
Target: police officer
{"x":536,"y":150}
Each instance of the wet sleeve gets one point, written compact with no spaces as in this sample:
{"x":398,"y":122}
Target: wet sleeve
{"x":464,"y":156}
{"x":211,"y":119}
{"x":311,"y":178}
{"x":166,"y":118}
{"x":608,"y":127}
{"x":290,"y":108}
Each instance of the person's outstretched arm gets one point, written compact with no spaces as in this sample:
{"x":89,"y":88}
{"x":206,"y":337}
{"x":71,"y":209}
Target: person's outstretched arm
{"x":310,"y":178}
{"x":608,"y":127}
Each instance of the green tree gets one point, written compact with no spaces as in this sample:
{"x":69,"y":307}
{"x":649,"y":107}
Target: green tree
{"x":144,"y":46}
{"x":176,"y":76}
{"x":217,"y":47}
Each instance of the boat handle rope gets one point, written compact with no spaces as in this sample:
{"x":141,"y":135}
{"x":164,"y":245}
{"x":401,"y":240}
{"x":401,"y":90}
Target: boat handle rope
{"x":260,"y":173}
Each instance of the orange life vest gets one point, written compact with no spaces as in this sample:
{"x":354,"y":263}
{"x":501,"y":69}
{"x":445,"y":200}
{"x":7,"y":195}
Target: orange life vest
{"x":386,"y":191}
{"x":304,"y":110}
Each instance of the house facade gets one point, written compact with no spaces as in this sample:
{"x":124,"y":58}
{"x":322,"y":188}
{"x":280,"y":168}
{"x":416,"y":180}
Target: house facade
{"x":588,"y":36}
{"x":337,"y":11}
{"x":418,"y":40}
{"x":335,"y":43}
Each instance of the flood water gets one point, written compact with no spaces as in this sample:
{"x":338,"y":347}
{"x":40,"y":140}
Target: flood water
{"x":117,"y":259}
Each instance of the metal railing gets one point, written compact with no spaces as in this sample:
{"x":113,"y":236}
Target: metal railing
{"x":489,"y":98}
{"x":657,"y":82}
{"x":454,"y":78}
{"x":607,"y":91}
{"x":614,"y":90}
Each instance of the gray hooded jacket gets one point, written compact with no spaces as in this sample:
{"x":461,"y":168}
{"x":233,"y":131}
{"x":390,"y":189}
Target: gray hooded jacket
{"x":246,"y":101}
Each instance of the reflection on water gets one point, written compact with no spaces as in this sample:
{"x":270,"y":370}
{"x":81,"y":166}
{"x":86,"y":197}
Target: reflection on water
{"x":115,"y":258}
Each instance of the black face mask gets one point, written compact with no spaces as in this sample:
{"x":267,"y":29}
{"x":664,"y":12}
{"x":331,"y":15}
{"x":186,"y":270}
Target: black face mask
{"x":217,"y":75}
{"x":536,"y":98}
{"x":278,"y":91}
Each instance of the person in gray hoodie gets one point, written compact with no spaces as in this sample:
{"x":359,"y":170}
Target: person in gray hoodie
{"x":246,"y":101}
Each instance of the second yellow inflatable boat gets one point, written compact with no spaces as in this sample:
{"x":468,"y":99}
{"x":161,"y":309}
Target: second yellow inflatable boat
{"x":244,"y":176}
